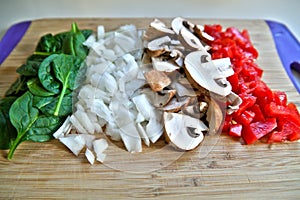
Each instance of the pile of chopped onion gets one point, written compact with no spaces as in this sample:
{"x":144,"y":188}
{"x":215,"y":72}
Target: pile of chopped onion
{"x":107,"y":97}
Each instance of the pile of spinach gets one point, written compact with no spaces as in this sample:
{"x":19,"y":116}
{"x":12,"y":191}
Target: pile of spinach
{"x":39,"y":101}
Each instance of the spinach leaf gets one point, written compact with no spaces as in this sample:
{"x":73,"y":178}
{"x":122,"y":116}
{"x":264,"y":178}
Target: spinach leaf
{"x":86,"y":33}
{"x":46,"y":74}
{"x":35,"y":87}
{"x":8,"y":131}
{"x":39,"y":102}
{"x":22,"y":116}
{"x":48,"y":43}
{"x":18,"y":87}
{"x":43,"y":128}
{"x":32,"y":65}
{"x":59,"y":106}
{"x":66,"y":68}
{"x":73,"y":43}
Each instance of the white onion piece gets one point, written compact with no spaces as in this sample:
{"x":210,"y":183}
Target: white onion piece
{"x":100,"y":32}
{"x":84,"y":120}
{"x":74,"y":145}
{"x":77,"y":124}
{"x":90,"y":156}
{"x":143,"y":134}
{"x":131,"y":138}
{"x":63,"y":129}
{"x":143,"y":105}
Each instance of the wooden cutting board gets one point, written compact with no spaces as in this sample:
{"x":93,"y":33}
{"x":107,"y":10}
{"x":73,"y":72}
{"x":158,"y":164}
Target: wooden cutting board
{"x":227,"y":169}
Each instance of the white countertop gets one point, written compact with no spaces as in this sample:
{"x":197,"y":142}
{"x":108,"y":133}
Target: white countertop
{"x":284,"y":11}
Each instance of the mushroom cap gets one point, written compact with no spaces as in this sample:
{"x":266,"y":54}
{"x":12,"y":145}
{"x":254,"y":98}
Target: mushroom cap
{"x":183,"y":131}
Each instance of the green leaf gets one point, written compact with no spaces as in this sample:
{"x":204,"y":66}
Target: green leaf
{"x":66,"y":68}
{"x":8,"y":131}
{"x":22,"y":116}
{"x":48,"y":43}
{"x":36,"y":88}
{"x":46,"y":75}
{"x":40,"y":102}
{"x":73,"y":43}
{"x":65,"y":106}
{"x":18,"y":87}
{"x":32,"y":66}
{"x":43,"y":128}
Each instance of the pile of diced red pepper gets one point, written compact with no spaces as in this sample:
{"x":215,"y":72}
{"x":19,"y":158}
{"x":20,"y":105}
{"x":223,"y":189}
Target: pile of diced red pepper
{"x":263,"y":113}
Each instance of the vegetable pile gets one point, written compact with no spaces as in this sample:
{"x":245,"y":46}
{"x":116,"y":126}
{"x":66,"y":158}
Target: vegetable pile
{"x":139,"y":86}
{"x":264,"y":114}
{"x":39,"y":101}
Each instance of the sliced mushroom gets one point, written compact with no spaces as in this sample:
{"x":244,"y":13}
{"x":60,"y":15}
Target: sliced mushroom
{"x":177,"y":56}
{"x":158,"y":99}
{"x":176,"y":104}
{"x":177,"y":24}
{"x":157,"y":29}
{"x":164,"y":66}
{"x":182,"y":131}
{"x":235,"y":102}
{"x":202,"y":70}
{"x":189,"y":40}
{"x":199,"y":32}
{"x":215,"y":116}
{"x":197,"y":110}
{"x":157,"y":80}
{"x":158,"y":46}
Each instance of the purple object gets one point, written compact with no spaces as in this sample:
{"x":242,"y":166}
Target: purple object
{"x":11,"y":38}
{"x":288,"y":48}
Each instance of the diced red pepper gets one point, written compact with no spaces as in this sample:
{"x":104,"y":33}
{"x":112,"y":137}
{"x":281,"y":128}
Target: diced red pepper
{"x":261,"y":107}
{"x":247,"y":101}
{"x":290,"y":111}
{"x":227,"y":123}
{"x":280,"y":98}
{"x":245,"y":118}
{"x":257,"y":130}
{"x":236,"y":130}
{"x":286,"y":130}
{"x":259,"y":116}
{"x":234,"y":81}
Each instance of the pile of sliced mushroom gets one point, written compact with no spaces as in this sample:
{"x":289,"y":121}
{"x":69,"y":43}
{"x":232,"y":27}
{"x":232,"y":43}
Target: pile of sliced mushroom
{"x":181,"y":62}
{"x":142,"y":84}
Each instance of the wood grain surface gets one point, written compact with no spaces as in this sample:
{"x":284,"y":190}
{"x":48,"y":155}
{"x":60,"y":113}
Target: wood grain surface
{"x":227,"y":169}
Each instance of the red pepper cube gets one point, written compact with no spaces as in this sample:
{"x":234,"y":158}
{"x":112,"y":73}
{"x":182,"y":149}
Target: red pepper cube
{"x":257,"y":130}
{"x":280,"y":98}
{"x":259,"y":116}
{"x":236,"y":130}
{"x":247,"y":101}
{"x":290,"y":111}
{"x":245,"y":118}
{"x":234,"y":81}
{"x":227,"y":123}
{"x":286,"y":130}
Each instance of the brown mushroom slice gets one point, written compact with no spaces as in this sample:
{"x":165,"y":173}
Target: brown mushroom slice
{"x":158,"y":99}
{"x":197,"y":110}
{"x":157,"y":80}
{"x":157,"y":29}
{"x":177,"y":56}
{"x":199,"y":32}
{"x":176,"y":104}
{"x":189,"y":40}
{"x":177,"y":24}
{"x":235,"y":102}
{"x":215,"y":116}
{"x":158,"y":46}
{"x":183,"y":131}
{"x":164,"y":66}
{"x":202,"y":70}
